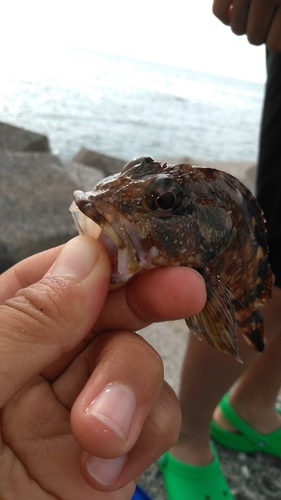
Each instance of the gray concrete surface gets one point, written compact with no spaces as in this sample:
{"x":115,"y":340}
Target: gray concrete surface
{"x":35,"y":195}
{"x":108,"y":164}
{"x":14,"y":138}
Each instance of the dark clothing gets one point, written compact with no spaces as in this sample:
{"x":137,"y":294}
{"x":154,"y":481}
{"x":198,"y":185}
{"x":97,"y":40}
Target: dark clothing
{"x":269,"y":162}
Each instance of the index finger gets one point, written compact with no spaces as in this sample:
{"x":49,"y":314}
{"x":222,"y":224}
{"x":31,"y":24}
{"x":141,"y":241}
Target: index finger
{"x":157,"y":295}
{"x":161,"y":294}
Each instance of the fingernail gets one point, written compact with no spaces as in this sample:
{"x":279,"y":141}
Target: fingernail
{"x":76,"y":260}
{"x":115,"y":407}
{"x":105,"y":471}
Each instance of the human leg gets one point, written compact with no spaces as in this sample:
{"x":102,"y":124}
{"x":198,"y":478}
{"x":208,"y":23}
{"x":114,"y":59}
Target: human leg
{"x":254,"y":395}
{"x":206,"y":376}
{"x":191,"y":469}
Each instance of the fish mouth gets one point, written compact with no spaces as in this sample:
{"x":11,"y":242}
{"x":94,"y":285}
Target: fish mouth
{"x":105,"y":223}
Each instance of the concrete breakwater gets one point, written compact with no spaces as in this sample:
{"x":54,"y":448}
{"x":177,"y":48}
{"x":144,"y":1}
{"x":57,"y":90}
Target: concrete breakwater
{"x":36,"y":189}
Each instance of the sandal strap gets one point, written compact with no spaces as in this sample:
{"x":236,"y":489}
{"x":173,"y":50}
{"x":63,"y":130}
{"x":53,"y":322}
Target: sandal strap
{"x":258,"y":440}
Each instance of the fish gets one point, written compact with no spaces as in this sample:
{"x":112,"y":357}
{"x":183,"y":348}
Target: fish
{"x":153,"y":214}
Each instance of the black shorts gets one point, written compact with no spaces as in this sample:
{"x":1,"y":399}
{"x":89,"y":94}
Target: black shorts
{"x":269,"y":162}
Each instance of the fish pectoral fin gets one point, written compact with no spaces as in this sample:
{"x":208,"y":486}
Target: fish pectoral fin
{"x":217,"y":321}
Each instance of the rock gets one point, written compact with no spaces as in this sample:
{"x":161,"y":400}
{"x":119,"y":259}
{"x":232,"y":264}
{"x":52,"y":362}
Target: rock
{"x":35,"y":195}
{"x":83,"y":176}
{"x":14,"y":138}
{"x":109,"y":164}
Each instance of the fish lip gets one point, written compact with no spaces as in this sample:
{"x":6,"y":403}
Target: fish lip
{"x":90,"y":208}
{"x":115,"y":232}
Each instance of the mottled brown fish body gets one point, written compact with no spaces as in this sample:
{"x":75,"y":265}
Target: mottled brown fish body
{"x":161,"y":215}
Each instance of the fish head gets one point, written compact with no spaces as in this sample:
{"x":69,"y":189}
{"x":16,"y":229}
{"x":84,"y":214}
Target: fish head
{"x":134,"y":215}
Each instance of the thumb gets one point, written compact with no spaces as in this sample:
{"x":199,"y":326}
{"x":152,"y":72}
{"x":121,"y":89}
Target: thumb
{"x":47,"y":319}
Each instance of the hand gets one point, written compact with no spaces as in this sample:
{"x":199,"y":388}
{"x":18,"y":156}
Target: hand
{"x":260,"y":20}
{"x":84,"y":409}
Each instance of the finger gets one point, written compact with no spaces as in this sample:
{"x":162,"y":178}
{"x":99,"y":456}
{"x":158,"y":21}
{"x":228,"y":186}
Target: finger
{"x":259,"y":20}
{"x":274,"y":35}
{"x":26,"y":272}
{"x":239,"y":16}
{"x":49,"y":318}
{"x":158,"y":295}
{"x":123,"y":402}
{"x":221,"y":9}
{"x":36,"y":428}
{"x":159,"y":433}
{"x":127,"y":379}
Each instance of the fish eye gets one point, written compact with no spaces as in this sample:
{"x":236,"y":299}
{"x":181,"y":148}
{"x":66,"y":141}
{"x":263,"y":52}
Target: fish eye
{"x":162,"y":197}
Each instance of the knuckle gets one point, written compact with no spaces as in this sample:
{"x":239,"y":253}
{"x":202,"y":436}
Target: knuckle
{"x":40,"y":309}
{"x":165,"y":418}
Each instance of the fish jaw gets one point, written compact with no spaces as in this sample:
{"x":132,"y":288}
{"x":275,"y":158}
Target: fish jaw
{"x":117,"y":235}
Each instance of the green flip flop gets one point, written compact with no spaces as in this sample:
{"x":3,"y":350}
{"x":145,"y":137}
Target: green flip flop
{"x":246,"y":439}
{"x":190,"y":482}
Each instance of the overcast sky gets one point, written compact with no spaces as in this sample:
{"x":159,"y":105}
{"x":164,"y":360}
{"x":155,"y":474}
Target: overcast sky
{"x":178,"y":32}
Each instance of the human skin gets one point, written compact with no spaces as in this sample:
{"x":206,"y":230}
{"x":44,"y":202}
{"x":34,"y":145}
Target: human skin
{"x":208,"y":374}
{"x":68,"y":355}
{"x":260,"y":20}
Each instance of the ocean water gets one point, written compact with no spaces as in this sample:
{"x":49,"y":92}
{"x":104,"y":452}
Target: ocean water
{"x":127,"y":108}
